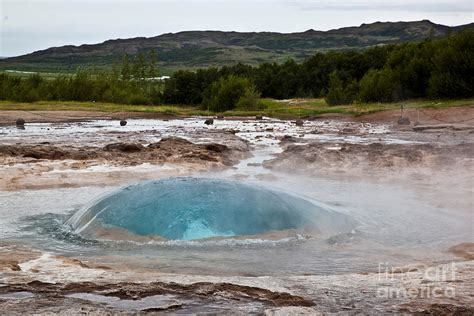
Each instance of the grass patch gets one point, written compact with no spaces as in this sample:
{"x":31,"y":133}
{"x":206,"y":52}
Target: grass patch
{"x":273,"y":108}
{"x":93,"y":106}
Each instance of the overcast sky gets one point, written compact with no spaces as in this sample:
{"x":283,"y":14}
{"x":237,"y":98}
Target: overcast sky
{"x":30,"y":25}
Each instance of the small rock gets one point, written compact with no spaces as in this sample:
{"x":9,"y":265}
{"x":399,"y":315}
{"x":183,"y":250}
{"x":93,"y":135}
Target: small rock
{"x":209,"y":121}
{"x":258,"y":117}
{"x":123,"y":123}
{"x":288,"y":138}
{"x":348,"y":130}
{"x":402,"y":120}
{"x":20,"y":122}
{"x":299,"y":123}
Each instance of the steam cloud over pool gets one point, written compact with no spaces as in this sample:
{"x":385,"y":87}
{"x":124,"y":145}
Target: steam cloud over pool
{"x":198,"y":208}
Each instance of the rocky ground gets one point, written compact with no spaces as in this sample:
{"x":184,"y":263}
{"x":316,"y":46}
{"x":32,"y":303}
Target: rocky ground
{"x":437,"y":151}
{"x":110,"y":157}
{"x":76,"y":287}
{"x":452,"y":151}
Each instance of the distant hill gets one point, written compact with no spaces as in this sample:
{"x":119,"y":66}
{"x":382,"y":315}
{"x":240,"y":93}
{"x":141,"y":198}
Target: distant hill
{"x":193,"y":49}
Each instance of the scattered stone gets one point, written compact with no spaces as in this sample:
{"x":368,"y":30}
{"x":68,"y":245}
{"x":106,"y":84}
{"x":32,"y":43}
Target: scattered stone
{"x":209,"y":121}
{"x":20,"y":123}
{"x":403,"y":120}
{"x":123,"y":123}
{"x":299,"y":122}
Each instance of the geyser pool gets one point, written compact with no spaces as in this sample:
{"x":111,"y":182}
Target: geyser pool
{"x":199,"y":208}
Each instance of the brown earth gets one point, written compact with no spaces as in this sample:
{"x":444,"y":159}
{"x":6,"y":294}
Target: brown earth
{"x":65,"y":163}
{"x":136,"y":291}
{"x":363,"y":158}
{"x":452,"y":115}
{"x":463,"y":250}
{"x":171,"y":149}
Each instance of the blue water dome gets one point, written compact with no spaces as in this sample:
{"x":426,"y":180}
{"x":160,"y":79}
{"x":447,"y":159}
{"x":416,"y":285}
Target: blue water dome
{"x":199,"y":208}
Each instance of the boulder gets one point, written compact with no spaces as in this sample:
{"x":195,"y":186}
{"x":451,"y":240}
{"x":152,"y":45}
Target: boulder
{"x":123,"y":123}
{"x":209,"y":121}
{"x":259,"y":117}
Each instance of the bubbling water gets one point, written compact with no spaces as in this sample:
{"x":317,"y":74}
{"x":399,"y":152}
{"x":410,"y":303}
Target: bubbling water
{"x":199,"y":208}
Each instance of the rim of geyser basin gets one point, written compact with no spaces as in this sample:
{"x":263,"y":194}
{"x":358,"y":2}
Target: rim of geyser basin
{"x":73,"y":223}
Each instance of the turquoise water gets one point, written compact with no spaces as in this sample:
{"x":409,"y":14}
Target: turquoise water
{"x":350,"y":227}
{"x":199,"y":208}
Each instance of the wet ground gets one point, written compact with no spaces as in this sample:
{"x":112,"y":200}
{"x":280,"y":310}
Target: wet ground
{"x":409,"y":191}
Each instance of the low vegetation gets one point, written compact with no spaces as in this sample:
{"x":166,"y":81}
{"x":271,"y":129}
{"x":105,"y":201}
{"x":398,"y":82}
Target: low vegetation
{"x":293,"y":108}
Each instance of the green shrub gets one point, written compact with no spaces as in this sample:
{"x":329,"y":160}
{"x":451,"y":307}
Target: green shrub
{"x":338,"y":94}
{"x":226,"y":93}
{"x":380,"y":86}
{"x":453,"y":74}
{"x":138,"y":99}
{"x":250,"y":101}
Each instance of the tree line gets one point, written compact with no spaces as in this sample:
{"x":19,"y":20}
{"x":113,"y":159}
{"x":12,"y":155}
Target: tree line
{"x":435,"y":68}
